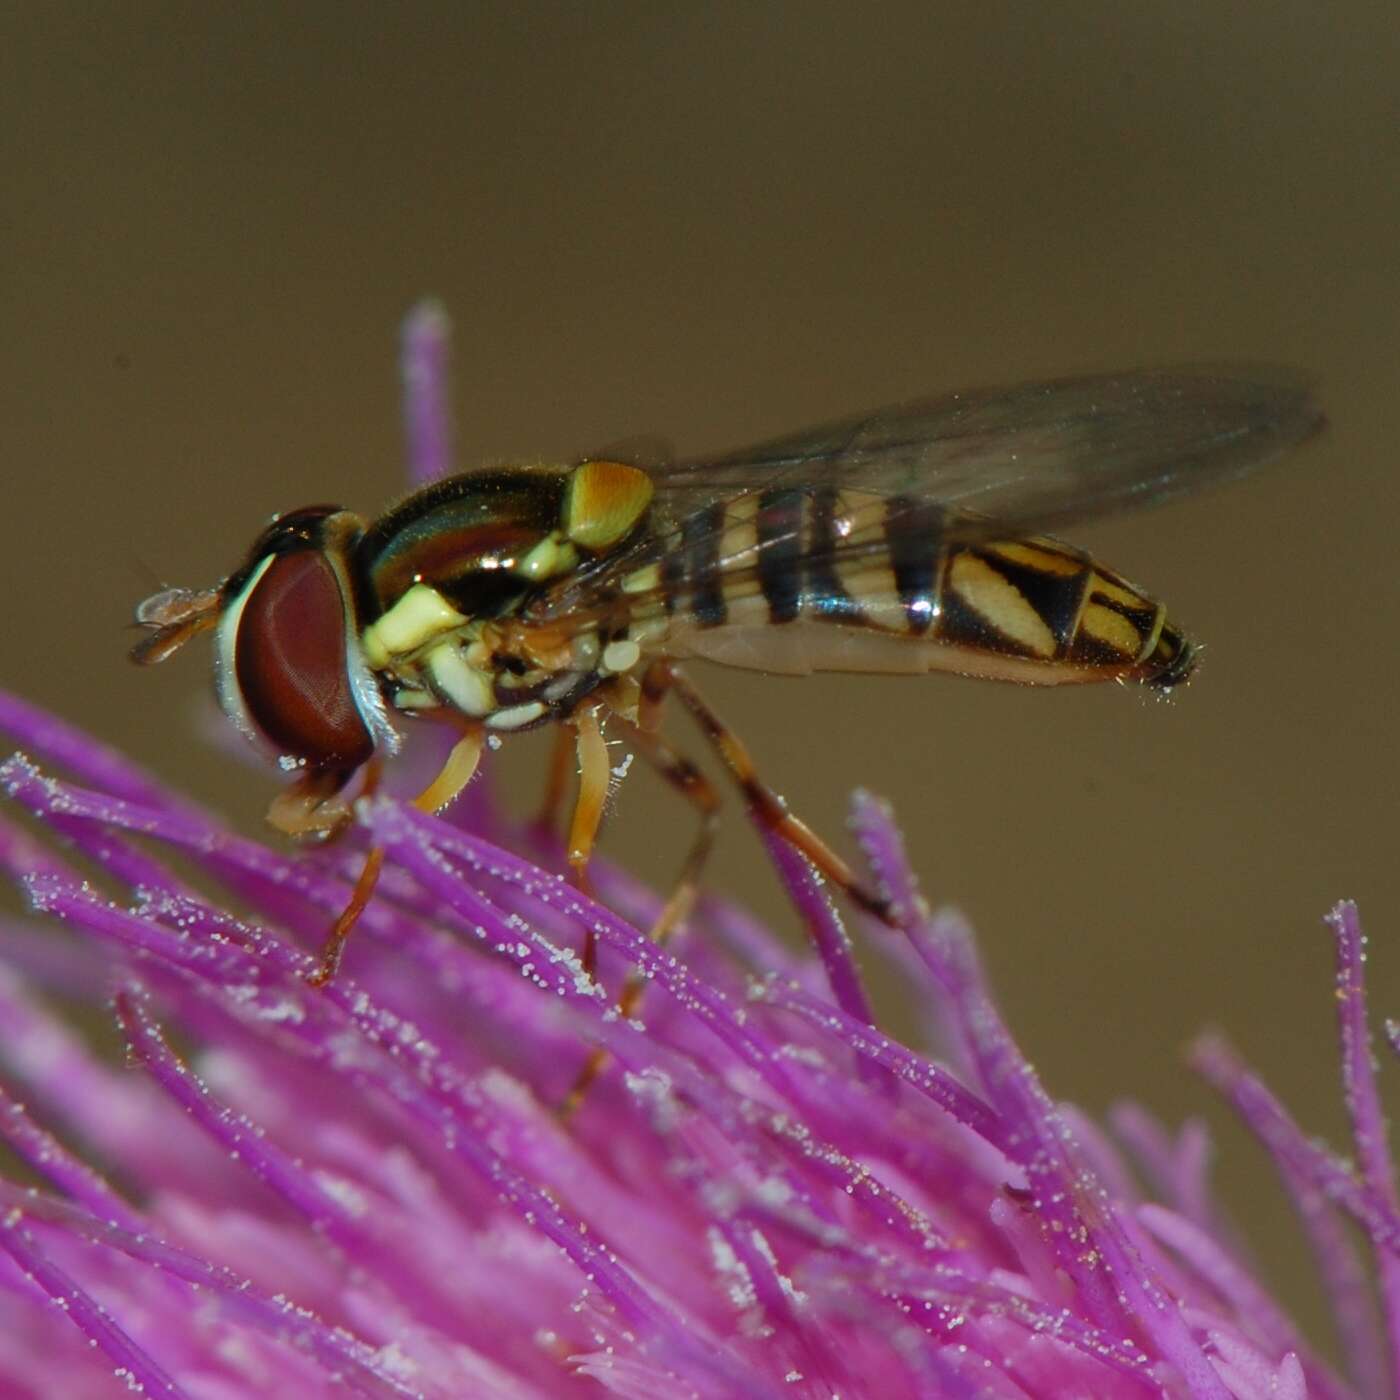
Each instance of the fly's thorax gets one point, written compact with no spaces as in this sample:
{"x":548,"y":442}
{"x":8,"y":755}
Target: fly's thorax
{"x":485,"y":539}
{"x":508,"y":675}
{"x":476,"y":547}
{"x":446,"y":573}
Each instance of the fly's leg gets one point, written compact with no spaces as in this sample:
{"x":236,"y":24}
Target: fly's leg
{"x":656,"y":684}
{"x":456,"y":772}
{"x":696,"y":788}
{"x":692,"y":784}
{"x":556,"y":785}
{"x":766,"y":807}
{"x":594,"y":774}
{"x":333,"y":949}
{"x":313,"y":806}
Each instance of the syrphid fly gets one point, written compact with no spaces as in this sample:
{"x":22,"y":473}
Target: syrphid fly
{"x":904,"y":541}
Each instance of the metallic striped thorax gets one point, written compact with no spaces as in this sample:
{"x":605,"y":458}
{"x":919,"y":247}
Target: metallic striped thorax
{"x":444,"y":573}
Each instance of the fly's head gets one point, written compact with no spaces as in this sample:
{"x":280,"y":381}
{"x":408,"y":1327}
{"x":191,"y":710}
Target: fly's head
{"x":290,"y":670}
{"x":331,"y":621}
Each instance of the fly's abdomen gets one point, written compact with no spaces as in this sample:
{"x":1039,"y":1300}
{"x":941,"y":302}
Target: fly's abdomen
{"x":802,"y":579}
{"x":1052,"y":606}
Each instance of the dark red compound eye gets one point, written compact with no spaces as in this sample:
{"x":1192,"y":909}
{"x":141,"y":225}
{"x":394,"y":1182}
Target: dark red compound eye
{"x":292,"y":666}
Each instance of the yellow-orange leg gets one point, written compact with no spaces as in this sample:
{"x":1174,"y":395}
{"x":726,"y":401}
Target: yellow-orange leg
{"x":557,"y":777}
{"x":696,"y":788}
{"x":692,"y":784}
{"x":333,"y":949}
{"x":593,"y":778}
{"x":313,"y":806}
{"x":766,"y":807}
{"x":457,"y":771}
{"x":455,"y":774}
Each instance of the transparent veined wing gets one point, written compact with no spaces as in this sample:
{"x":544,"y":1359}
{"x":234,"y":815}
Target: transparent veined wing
{"x":997,"y":462}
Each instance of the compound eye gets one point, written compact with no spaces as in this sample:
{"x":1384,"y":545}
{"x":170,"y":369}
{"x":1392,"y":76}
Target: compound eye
{"x":290,"y":662}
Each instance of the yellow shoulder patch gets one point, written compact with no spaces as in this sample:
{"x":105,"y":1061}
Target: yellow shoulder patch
{"x":419,"y":616}
{"x":604,"y":501}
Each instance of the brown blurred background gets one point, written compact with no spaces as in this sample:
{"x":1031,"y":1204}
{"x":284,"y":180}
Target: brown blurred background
{"x":718,"y":222}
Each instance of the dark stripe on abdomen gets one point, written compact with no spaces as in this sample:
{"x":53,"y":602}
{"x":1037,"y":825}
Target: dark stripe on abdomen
{"x":824,"y":595}
{"x":914,"y":539}
{"x":779,"y":525}
{"x":672,"y":578}
{"x":1058,"y":598}
{"x":700,"y":537}
{"x":1143,"y":618}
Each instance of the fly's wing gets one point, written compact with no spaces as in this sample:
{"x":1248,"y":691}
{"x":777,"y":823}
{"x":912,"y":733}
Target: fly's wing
{"x":1036,"y":456}
{"x":1003,"y":462}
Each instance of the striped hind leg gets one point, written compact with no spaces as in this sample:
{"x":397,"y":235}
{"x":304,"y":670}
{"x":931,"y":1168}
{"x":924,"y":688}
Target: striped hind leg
{"x":765,"y":806}
{"x":696,"y":788}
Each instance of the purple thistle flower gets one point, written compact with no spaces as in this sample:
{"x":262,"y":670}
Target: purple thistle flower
{"x":364,"y":1189}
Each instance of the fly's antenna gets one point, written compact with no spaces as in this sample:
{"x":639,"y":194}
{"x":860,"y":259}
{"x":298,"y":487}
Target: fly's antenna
{"x":173,"y":617}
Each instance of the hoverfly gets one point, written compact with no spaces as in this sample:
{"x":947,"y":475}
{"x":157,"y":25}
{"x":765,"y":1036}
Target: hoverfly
{"x":902,"y":541}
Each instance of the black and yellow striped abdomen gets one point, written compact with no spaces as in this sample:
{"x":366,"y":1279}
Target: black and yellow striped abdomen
{"x":803,"y":579}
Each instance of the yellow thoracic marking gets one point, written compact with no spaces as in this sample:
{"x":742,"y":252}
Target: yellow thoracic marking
{"x":540,"y":562}
{"x":517,"y":716}
{"x":986,"y":592}
{"x":604,"y":501}
{"x":421,"y":614}
{"x":646,"y":580}
{"x":551,"y":557}
{"x":1047,"y":561}
{"x":620,"y":656}
{"x":1111,"y":628}
{"x":460,"y":682}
